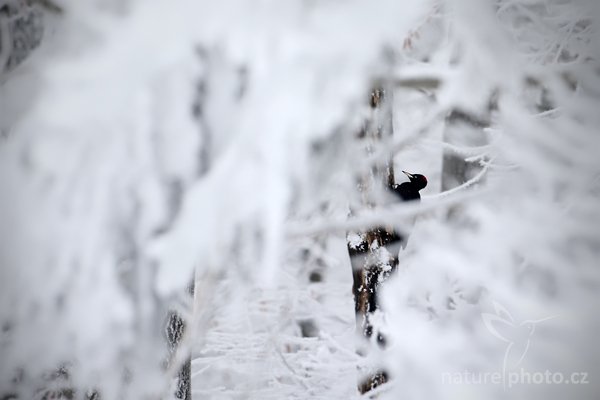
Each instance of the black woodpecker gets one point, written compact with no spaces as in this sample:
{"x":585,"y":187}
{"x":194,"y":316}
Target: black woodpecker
{"x":410,"y":190}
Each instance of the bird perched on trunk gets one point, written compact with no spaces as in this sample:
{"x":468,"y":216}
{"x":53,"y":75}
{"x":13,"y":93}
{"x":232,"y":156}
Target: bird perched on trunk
{"x":410,"y":190}
{"x":406,"y":191}
{"x":361,"y":245}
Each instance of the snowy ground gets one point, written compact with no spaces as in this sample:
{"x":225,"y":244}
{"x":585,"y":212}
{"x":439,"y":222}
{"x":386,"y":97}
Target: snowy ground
{"x":294,"y":341}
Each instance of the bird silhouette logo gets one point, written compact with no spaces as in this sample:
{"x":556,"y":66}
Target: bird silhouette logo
{"x":517,"y":336}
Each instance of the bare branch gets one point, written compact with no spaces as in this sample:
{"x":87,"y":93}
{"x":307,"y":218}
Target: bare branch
{"x":461,"y":150}
{"x":383,"y":216}
{"x":462,"y":187}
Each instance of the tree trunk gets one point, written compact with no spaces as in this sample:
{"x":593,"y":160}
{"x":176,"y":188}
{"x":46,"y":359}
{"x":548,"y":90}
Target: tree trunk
{"x":176,"y":329}
{"x":369,"y":267}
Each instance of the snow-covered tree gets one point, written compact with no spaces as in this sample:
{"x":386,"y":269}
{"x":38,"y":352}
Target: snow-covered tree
{"x":147,"y":144}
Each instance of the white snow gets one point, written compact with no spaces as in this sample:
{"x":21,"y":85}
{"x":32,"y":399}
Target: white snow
{"x":146,"y":144}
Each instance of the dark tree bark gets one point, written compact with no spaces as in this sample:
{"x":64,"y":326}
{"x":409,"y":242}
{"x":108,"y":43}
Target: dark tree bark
{"x":175,"y":331}
{"x":21,"y":30}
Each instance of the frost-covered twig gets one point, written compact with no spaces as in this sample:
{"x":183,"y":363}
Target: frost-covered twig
{"x":331,"y":340}
{"x":297,"y":377}
{"x":383,"y":216}
{"x":461,"y":150}
{"x":462,"y":187}
{"x":494,"y":166}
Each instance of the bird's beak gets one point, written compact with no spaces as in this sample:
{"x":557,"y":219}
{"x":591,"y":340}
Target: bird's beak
{"x":410,"y":176}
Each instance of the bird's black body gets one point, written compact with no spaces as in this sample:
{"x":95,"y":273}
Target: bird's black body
{"x":406,"y":191}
